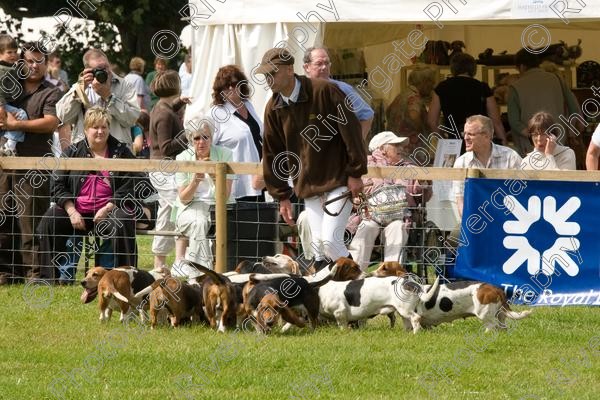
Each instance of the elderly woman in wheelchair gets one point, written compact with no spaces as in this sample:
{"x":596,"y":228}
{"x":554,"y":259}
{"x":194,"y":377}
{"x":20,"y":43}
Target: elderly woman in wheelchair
{"x":392,"y":203}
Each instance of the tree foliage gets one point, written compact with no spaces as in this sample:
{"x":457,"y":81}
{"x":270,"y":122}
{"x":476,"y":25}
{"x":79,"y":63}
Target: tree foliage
{"x":136,"y":22}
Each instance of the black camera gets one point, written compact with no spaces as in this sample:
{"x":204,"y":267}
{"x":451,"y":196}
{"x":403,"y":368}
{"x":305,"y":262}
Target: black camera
{"x":100,"y":74}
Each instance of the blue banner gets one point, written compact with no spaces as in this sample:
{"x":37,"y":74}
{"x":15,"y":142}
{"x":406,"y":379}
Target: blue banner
{"x":537,"y":240}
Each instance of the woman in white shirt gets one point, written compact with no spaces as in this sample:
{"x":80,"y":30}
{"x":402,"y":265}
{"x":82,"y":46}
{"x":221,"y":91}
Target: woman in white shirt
{"x":547,"y":153}
{"x":238,"y":128}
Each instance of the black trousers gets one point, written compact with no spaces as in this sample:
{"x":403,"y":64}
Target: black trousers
{"x":23,"y":199}
{"x":11,"y":264}
{"x":55,"y":229}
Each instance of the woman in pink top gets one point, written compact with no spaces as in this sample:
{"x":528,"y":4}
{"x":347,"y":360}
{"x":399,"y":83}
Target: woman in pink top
{"x":91,"y":201}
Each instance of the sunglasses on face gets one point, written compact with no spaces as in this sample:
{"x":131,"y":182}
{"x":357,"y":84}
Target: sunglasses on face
{"x":201,"y":137}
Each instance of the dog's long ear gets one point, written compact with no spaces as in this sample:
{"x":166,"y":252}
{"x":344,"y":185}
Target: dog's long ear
{"x":242,"y":265}
{"x":295,"y":267}
{"x":401,"y":273}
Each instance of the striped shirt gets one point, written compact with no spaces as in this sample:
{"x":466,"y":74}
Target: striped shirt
{"x":502,"y":157}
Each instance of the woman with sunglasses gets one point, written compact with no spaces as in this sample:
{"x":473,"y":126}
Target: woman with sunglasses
{"x":196,"y":193}
{"x":547,"y":153}
{"x":238,"y":128}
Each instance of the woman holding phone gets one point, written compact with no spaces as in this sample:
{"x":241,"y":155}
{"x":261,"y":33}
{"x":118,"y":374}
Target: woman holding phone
{"x":547,"y":153}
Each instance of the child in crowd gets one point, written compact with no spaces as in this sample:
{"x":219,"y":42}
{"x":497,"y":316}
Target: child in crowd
{"x":10,"y":90}
{"x":53,"y":76}
{"x":139,"y":135}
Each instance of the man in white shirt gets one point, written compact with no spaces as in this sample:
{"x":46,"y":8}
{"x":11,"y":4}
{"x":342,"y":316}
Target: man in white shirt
{"x":482,"y":152}
{"x":318,"y":65}
{"x":593,"y":152}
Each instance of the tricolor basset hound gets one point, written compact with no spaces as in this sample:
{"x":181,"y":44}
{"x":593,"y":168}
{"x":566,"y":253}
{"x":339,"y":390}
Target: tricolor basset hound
{"x":467,"y":299}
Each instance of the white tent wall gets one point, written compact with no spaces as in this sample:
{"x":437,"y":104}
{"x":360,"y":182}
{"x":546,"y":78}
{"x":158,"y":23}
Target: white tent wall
{"x":215,"y":46}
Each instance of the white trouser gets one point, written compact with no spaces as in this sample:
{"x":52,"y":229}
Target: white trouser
{"x":395,"y":236}
{"x":194,"y":223}
{"x":162,"y":245}
{"x":327,"y":231}
{"x":305,"y":235}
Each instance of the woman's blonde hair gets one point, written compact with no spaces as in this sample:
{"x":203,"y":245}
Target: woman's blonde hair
{"x":420,"y":74}
{"x":94,"y":115}
{"x":137,"y":64}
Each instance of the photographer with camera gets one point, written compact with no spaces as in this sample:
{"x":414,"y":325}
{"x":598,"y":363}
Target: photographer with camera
{"x":98,"y":86}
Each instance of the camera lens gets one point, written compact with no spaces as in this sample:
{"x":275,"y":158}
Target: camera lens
{"x":101,"y":75}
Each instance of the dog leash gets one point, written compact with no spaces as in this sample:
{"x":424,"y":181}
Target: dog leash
{"x":347,"y":195}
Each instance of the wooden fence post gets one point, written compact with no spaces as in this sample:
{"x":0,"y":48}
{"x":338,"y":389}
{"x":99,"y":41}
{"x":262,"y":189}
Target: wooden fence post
{"x":221,"y":217}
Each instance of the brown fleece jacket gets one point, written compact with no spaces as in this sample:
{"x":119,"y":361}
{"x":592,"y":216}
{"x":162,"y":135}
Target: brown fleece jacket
{"x":166,"y":131}
{"x":317,"y":141}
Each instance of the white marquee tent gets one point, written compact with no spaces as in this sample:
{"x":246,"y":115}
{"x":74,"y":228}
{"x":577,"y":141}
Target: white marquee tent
{"x":240,"y":31}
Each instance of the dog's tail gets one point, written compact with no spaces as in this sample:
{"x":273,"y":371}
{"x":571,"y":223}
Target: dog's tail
{"x":114,"y":292}
{"x":149,"y":289}
{"x":517,"y":315}
{"x":510,"y":313}
{"x":426,"y":296}
{"x":215,"y":276}
{"x":255,"y":278}
{"x":330,"y":275}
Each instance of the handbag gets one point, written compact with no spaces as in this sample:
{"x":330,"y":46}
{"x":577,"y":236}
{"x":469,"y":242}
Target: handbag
{"x":386,"y":204}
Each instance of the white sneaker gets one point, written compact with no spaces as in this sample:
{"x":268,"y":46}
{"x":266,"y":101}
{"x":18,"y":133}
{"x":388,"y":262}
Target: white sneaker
{"x":183,"y":269}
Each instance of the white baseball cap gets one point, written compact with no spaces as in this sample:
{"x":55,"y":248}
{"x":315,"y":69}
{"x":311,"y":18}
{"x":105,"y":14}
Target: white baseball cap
{"x":386,"y":137}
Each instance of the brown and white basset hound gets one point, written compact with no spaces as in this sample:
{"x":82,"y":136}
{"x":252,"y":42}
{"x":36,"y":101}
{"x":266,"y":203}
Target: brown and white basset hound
{"x":115,"y":288}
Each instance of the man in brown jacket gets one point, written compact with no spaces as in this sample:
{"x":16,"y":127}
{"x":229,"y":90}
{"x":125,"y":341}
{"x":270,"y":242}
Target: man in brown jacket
{"x":312,"y":138}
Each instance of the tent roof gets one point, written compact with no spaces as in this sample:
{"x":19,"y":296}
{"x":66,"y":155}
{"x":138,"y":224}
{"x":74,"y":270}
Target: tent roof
{"x":213,"y":12}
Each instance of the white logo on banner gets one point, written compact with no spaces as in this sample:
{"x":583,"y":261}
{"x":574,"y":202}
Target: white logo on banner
{"x":557,"y":254}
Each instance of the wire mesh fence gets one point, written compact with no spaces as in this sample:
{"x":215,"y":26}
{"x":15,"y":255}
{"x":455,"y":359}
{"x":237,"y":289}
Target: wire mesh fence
{"x":254,"y":230}
{"x":39,"y":238}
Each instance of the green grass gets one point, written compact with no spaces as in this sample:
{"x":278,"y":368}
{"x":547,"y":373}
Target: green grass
{"x":47,"y":333}
{"x":548,"y":355}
